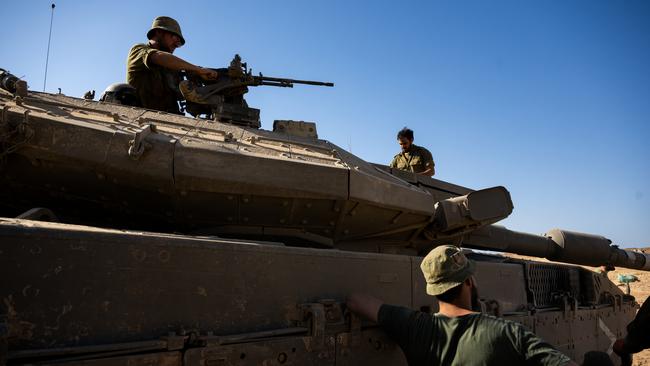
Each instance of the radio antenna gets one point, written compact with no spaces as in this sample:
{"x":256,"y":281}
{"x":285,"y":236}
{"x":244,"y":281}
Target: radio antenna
{"x":49,"y":40}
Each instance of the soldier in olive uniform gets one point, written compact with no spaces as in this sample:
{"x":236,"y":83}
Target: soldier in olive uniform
{"x":412,"y":158}
{"x":638,"y":335}
{"x":456,"y":335}
{"x":153,"y":70}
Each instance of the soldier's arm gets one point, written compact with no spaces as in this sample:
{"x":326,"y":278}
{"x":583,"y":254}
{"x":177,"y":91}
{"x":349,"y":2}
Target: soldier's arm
{"x":171,"y":62}
{"x":637,"y":338}
{"x":535,"y":350}
{"x":430,"y":170}
{"x":393,"y":163}
{"x":365,"y":305}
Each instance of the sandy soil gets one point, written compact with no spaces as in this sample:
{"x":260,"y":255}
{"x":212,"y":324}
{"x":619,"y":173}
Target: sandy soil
{"x":640,"y":290}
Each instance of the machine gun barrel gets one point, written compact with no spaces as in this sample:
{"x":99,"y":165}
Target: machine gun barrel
{"x":558,"y":245}
{"x":274,"y":83}
{"x":289,"y":82}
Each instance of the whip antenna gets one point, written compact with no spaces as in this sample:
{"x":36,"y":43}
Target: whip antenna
{"x":49,"y":40}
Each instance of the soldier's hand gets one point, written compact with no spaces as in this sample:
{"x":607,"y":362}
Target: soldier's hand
{"x":207,"y":74}
{"x":618,"y":348}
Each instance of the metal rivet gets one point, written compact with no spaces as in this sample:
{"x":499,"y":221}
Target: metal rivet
{"x":282,"y":357}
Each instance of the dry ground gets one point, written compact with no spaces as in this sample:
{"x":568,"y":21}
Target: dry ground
{"x":640,"y":290}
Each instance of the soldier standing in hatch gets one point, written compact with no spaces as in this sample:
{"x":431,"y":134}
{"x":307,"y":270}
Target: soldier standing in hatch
{"x":412,"y":158}
{"x":153,"y":70}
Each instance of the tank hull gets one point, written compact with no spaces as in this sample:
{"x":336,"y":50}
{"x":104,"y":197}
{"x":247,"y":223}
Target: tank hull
{"x":81,"y":293}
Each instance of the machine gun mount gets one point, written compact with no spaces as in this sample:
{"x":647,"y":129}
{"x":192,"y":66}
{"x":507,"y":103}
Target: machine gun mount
{"x":223,"y":99}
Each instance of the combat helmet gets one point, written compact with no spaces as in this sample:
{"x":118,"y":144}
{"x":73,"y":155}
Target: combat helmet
{"x":168,"y":24}
{"x":120,"y":93}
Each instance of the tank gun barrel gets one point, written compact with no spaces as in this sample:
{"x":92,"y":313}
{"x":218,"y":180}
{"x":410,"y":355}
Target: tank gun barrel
{"x":558,"y":245}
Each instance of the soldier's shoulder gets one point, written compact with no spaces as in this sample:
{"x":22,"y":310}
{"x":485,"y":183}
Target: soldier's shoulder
{"x":139,"y":46}
{"x":491,"y":318}
{"x":491,"y":321}
{"x":421,"y":149}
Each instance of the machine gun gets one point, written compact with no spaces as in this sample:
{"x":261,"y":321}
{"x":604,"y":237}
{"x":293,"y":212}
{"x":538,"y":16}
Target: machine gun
{"x":223,"y":99}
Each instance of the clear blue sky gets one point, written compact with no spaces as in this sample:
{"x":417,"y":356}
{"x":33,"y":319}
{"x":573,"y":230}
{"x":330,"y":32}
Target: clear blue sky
{"x":550,"y":99}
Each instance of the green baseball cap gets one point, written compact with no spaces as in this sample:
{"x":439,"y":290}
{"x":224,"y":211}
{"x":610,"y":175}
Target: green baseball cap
{"x":444,"y":268}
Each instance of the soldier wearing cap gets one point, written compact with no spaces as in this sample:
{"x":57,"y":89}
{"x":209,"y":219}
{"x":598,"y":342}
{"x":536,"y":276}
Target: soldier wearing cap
{"x":153,"y":69}
{"x":412,"y":158}
{"x":456,"y":335}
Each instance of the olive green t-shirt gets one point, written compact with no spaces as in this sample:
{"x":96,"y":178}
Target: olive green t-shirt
{"x":154,"y":84}
{"x":416,"y":160}
{"x":638,"y":331}
{"x":474,"y":339}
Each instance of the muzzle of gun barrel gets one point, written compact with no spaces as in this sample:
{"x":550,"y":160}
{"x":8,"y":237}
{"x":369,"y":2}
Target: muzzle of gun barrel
{"x":455,"y":216}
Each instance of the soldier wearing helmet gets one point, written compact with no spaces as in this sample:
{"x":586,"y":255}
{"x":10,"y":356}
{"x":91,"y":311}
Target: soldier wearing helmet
{"x":120,"y":93}
{"x":153,"y":69}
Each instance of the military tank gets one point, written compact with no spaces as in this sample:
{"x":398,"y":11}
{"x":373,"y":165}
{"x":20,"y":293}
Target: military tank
{"x":133,"y":236}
